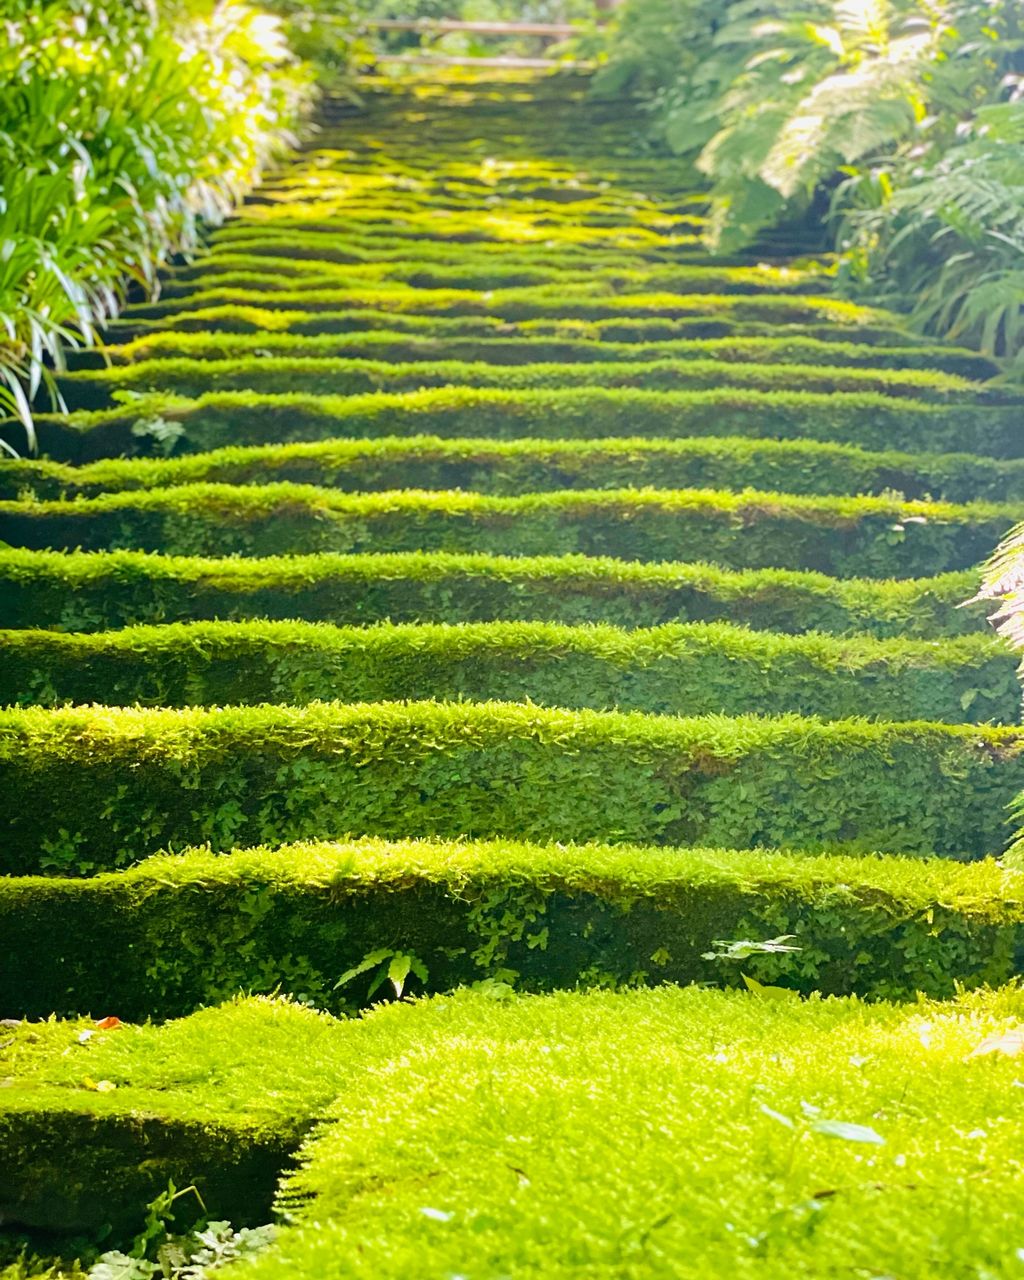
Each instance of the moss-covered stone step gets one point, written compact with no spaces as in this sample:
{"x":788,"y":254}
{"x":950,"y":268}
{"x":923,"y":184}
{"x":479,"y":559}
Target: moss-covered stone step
{"x":680,"y":668}
{"x":93,"y":591}
{"x":852,"y":1094}
{"x":231,"y":317}
{"x":133,"y":781}
{"x":384,"y":244}
{"x":527,"y":349}
{"x":519,"y":466}
{"x":867,"y":419}
{"x":179,"y":931}
{"x":95,"y":1122}
{"x":274,"y":375}
{"x":582,"y":302}
{"x":845,"y":537}
{"x":224,"y":270}
{"x":809,"y":1139}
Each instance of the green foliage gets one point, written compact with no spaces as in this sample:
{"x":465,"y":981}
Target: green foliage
{"x":133,"y":781}
{"x":192,"y":1256}
{"x":121,"y":128}
{"x":391,"y":966}
{"x":82,"y":591}
{"x":908,"y":113}
{"x":1003,"y":585}
{"x":688,"y":669}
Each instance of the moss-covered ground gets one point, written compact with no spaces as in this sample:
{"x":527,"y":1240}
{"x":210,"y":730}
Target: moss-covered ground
{"x":457,"y":579}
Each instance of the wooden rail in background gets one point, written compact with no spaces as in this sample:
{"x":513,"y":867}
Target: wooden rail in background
{"x":442,"y":26}
{"x":510,"y":61}
{"x":547,"y":32}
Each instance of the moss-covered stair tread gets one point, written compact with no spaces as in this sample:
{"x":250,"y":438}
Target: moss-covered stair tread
{"x":178,"y":931}
{"x":132,"y":780}
{"x":95,"y":1122}
{"x":682,"y":668}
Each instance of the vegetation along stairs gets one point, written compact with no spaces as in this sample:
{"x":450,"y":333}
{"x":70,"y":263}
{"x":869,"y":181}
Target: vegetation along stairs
{"x":459,"y":577}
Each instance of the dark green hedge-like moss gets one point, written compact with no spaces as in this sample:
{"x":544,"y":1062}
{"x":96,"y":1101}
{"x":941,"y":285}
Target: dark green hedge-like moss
{"x":231,"y":317}
{"x":540,"y":348}
{"x":537,"y":466}
{"x":326,"y":375}
{"x":133,"y":781}
{"x":71,"y":1170}
{"x":223,"y":418}
{"x":845,"y":537}
{"x":238,"y":238}
{"x":178,"y":932}
{"x":694,"y":669}
{"x":582,"y":302}
{"x":92,"y":592}
{"x":284,"y":273}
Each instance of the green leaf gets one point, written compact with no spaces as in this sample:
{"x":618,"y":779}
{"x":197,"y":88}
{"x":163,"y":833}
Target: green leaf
{"x":848,"y":1132}
{"x":763,"y":992}
{"x":398,"y":971}
{"x":368,"y":962}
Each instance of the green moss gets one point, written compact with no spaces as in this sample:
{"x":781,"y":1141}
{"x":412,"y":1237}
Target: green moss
{"x":846,"y":537}
{"x":133,"y":781}
{"x":231,"y":317}
{"x":187,"y":930}
{"x":495,"y":1139}
{"x":686,"y":669}
{"x":520,"y":466}
{"x":581,"y":301}
{"x":82,"y":591}
{"x":218,"y":1102}
{"x":540,"y":348}
{"x":273,"y":273}
{"x":219,"y":418}
{"x":326,"y":375}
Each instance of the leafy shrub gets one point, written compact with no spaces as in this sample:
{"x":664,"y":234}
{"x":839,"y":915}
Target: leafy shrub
{"x":907,"y":116}
{"x":121,"y":129}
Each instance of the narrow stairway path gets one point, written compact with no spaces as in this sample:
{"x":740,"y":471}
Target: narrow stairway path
{"x":457,"y":566}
